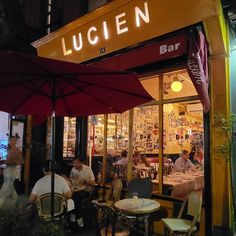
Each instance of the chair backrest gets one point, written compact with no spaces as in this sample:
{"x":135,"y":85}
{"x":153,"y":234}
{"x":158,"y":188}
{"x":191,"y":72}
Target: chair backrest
{"x":122,"y":171}
{"x":194,"y":205}
{"x":141,"y":186}
{"x":144,"y":173}
{"x":44,"y":205}
{"x":194,"y":201}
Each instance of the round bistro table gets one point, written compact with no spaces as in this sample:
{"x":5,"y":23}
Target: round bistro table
{"x":138,"y":207}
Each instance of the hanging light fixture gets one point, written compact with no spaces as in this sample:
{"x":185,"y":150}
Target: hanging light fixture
{"x":176,"y":85}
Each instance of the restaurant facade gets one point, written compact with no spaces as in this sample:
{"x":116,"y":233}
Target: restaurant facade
{"x":157,"y":40}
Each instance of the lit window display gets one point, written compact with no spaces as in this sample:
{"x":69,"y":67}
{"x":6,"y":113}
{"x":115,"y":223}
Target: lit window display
{"x":146,"y":129}
{"x":69,"y":141}
{"x":95,"y":134}
{"x":181,"y":128}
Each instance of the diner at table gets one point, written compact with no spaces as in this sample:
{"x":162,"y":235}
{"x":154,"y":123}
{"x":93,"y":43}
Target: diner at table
{"x":183,"y":163}
{"x":82,"y":181}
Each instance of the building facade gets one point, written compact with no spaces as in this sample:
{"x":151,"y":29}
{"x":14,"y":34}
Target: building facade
{"x":152,"y":38}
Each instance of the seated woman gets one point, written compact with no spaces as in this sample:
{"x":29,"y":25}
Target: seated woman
{"x":198,"y":160}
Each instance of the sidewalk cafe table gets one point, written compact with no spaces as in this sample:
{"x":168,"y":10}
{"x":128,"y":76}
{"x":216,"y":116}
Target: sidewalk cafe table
{"x":138,"y":207}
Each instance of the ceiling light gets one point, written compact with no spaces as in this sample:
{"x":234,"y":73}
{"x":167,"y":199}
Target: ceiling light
{"x":176,"y":85}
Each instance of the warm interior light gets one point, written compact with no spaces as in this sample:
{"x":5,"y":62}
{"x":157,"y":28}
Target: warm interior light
{"x":176,"y":86}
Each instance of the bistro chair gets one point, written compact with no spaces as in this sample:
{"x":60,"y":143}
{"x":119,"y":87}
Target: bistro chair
{"x":144,"y":173}
{"x":189,"y":224}
{"x":105,"y":214}
{"x":44,"y":206}
{"x":141,"y":186}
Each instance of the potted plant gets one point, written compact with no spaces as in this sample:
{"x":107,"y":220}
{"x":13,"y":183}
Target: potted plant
{"x":226,"y":128}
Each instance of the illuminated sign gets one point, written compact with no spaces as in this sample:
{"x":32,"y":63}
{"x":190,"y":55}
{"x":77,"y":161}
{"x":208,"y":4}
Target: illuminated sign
{"x":121,"y":24}
{"x":76,"y":41}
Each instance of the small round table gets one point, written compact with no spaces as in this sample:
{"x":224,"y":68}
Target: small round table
{"x":137,"y":207}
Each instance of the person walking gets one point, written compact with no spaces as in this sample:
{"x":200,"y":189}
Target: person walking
{"x":12,"y":171}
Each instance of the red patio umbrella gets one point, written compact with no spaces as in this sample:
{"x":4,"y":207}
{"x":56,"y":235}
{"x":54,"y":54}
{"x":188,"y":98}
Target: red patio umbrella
{"x":34,"y":85}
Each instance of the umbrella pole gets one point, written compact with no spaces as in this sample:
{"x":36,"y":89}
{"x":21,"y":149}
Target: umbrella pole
{"x":53,"y":164}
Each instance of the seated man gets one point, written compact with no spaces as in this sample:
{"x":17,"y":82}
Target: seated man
{"x":43,"y":186}
{"x":124,"y":159}
{"x":83,"y":176}
{"x":183,"y":163}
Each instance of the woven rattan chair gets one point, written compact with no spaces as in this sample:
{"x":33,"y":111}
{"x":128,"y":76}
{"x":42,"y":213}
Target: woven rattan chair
{"x":44,"y":206}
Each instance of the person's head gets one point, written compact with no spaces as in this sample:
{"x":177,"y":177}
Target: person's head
{"x":46,"y":166}
{"x":136,"y":154}
{"x":185,"y":154}
{"x":13,"y":141}
{"x":77,"y":164}
{"x":124,"y":153}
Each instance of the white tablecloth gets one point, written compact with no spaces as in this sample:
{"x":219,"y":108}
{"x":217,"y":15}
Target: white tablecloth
{"x":183,"y":183}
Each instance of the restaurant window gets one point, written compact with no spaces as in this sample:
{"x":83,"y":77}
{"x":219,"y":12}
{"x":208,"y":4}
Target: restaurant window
{"x":117,"y":133}
{"x":69,"y":138}
{"x":182,"y":127}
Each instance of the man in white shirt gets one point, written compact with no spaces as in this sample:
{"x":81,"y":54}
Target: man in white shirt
{"x":124,"y":159}
{"x":84,"y":177}
{"x":43,"y":186}
{"x":183,"y":163}
{"x":83,"y":174}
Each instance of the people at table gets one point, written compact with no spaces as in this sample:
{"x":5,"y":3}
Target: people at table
{"x":183,"y":163}
{"x":11,"y":172}
{"x":140,"y":161}
{"x":124,"y":159}
{"x":198,"y":160}
{"x":143,"y":161}
{"x":83,"y":176}
{"x":43,"y":186}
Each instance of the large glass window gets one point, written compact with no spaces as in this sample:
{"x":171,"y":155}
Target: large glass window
{"x":69,"y":137}
{"x":146,"y":129}
{"x":161,"y":131}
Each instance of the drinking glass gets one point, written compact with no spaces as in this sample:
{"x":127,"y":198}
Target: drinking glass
{"x":135,"y":195}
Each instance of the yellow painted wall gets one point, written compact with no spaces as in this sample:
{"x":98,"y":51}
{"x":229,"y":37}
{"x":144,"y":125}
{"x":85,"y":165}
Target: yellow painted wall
{"x":219,"y":81}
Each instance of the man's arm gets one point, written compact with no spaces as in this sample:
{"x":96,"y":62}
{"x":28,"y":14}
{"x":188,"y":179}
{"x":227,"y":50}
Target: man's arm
{"x":67,"y":195}
{"x":91,"y":182}
{"x":32,"y":198}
